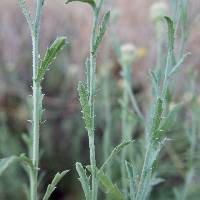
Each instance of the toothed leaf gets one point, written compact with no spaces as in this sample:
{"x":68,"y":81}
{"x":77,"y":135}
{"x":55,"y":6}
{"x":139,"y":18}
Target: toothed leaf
{"x":51,"y":187}
{"x":110,"y":189}
{"x":50,"y":56}
{"x":116,"y":150}
{"x":157,"y":119}
{"x":26,"y":13}
{"x":102,"y":31}
{"x":84,"y":180}
{"x":84,"y":96}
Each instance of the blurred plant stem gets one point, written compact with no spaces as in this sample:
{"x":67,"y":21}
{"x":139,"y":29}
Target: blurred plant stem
{"x":108,"y":117}
{"x":126,"y":134}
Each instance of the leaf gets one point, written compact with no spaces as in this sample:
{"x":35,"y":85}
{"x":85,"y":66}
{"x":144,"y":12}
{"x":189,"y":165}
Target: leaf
{"x":84,"y":180}
{"x":156,"y":181}
{"x":87,"y":66}
{"x":111,"y":189}
{"x":90,"y":2}
{"x":50,"y":56}
{"x":102,"y":31}
{"x":115,"y":151}
{"x":170,"y":119}
{"x":6,"y":162}
{"x":171,"y":32}
{"x":26,"y":161}
{"x":26,"y":13}
{"x":157,"y":119}
{"x":131,"y":177}
{"x":84,"y":96}
{"x":178,"y":65}
{"x":51,"y":187}
{"x":155,"y":82}
{"x":40,"y":100}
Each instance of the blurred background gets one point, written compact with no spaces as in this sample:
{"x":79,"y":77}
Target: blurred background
{"x":63,"y":137}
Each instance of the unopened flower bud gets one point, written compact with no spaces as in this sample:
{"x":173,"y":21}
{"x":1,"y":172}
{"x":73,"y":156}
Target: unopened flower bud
{"x":158,"y":10}
{"x":128,"y":53}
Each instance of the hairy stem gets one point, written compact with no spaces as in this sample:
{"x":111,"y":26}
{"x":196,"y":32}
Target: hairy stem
{"x":36,"y":101}
{"x":91,"y":89}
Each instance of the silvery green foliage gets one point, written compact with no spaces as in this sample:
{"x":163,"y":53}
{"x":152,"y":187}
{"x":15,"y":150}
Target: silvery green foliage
{"x":109,"y":188}
{"x":39,"y":70}
{"x":160,"y":118}
{"x":192,"y":132}
{"x":87,"y":95}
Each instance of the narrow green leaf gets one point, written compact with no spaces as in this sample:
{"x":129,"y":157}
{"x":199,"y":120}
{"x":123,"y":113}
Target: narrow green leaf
{"x":6,"y":162}
{"x":170,"y":119}
{"x":26,"y":13}
{"x":51,"y":187}
{"x":84,"y":180}
{"x":157,"y":119}
{"x":84,"y":96}
{"x":111,"y":189}
{"x":87,"y":66}
{"x":155,"y":82}
{"x":171,"y":59}
{"x":178,"y":65}
{"x":132,"y":178}
{"x":90,"y":2}
{"x":102,"y":31}
{"x":26,"y":161}
{"x":156,"y":181}
{"x":50,"y":56}
{"x":171,"y":32}
{"x":40,"y":98}
{"x":115,"y":151}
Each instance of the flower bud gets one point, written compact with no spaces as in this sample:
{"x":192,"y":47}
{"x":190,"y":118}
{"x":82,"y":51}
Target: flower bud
{"x":128,"y":53}
{"x":158,"y":10}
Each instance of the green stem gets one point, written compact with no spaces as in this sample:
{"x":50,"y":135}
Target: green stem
{"x":93,"y":166}
{"x":141,"y":186}
{"x":36,"y":102}
{"x":107,"y":133}
{"x":91,"y":89}
{"x":125,"y":133}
